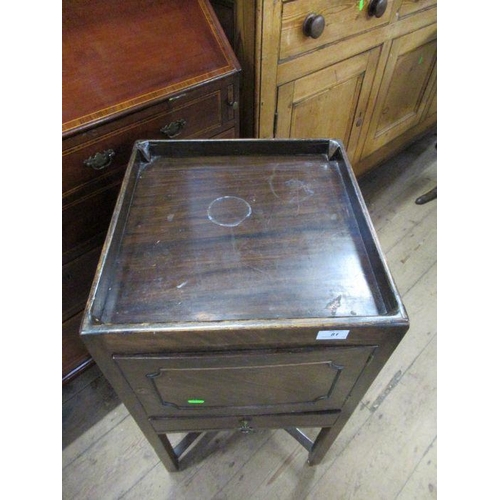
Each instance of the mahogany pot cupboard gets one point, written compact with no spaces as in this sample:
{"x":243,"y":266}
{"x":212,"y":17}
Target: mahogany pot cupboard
{"x":241,"y":286}
{"x":132,"y":69}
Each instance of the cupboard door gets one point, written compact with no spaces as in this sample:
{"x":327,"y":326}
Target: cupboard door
{"x":405,"y":88}
{"x":330,"y":103}
{"x":251,"y":381}
{"x":431,"y":110}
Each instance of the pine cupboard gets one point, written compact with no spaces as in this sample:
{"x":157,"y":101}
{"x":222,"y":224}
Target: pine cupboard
{"x":358,"y":70}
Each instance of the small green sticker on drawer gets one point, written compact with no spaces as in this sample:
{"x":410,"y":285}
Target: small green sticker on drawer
{"x":361,"y":4}
{"x":196,"y":401}
{"x":332,"y":335}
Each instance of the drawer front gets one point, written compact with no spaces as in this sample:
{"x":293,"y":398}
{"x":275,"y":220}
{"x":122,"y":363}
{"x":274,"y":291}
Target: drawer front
{"x":227,"y":134}
{"x":307,"y":25}
{"x":77,"y":278}
{"x":86,"y":218}
{"x":94,"y":162}
{"x":409,"y":7}
{"x":251,"y":382}
{"x":95,"y":158}
{"x":244,"y":423}
{"x":75,"y":356}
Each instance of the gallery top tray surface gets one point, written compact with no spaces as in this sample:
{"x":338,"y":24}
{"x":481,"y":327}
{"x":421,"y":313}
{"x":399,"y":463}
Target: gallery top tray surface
{"x":211,"y":231}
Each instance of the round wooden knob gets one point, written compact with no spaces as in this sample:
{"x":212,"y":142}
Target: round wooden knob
{"x":314,"y":25}
{"x":377,"y":8}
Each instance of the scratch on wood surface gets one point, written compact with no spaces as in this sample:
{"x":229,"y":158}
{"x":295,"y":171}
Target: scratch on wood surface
{"x":334,"y":305}
{"x":405,"y":259}
{"x":390,"y":386}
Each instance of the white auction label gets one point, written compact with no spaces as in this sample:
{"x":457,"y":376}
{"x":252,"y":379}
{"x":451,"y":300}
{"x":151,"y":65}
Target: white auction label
{"x":332,"y":334}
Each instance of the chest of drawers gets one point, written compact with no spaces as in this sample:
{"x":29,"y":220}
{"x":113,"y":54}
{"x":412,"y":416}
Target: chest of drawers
{"x":241,"y":286}
{"x":131,"y":70}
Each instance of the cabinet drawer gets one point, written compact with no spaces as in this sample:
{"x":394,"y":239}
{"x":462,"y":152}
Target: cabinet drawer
{"x":409,"y":7}
{"x":86,"y":217}
{"x":341,"y":19}
{"x":90,"y":193}
{"x":75,"y":355}
{"x":77,"y":278}
{"x":250,"y":382}
{"x":245,"y":423}
{"x":189,"y":116}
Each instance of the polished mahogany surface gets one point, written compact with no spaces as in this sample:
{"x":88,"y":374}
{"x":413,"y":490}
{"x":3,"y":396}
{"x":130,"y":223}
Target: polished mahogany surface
{"x":241,"y":286}
{"x":208,"y":237}
{"x":119,"y":54}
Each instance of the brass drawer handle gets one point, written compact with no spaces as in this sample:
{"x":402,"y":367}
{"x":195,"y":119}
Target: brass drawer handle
{"x":245,"y":428}
{"x":377,"y":8}
{"x":100,"y":160}
{"x":314,"y":25}
{"x":173,"y":129}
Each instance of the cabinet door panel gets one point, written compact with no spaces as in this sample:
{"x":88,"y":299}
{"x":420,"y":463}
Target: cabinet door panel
{"x":431,"y":111}
{"x":254,"y":382}
{"x":405,"y":88}
{"x":329,"y":103}
{"x":307,"y":117}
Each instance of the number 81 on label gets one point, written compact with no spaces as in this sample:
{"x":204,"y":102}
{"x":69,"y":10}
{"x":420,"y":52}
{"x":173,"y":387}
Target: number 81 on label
{"x":332,"y":335}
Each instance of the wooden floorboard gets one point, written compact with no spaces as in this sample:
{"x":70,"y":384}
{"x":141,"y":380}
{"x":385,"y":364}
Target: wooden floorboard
{"x":386,"y":451}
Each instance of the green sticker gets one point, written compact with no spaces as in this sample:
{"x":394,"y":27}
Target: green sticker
{"x":361,"y":4}
{"x":196,"y":401}
{"x":421,"y":60}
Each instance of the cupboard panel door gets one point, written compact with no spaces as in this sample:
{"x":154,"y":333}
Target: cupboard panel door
{"x":431,"y":110}
{"x":405,"y":88}
{"x":330,"y":103}
{"x":254,"y":381}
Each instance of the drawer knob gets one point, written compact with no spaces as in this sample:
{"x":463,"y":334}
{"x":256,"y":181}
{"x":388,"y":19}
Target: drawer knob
{"x":173,"y":129}
{"x":245,"y":428}
{"x":377,"y":8}
{"x":314,"y":25}
{"x":100,"y":160}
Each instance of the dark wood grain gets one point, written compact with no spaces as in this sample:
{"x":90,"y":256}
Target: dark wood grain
{"x":264,"y":381}
{"x":130,"y":70}
{"x":76,"y":358}
{"x":118,"y":55}
{"x":297,"y":254}
{"x":224,"y":263}
{"x":254,"y":422}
